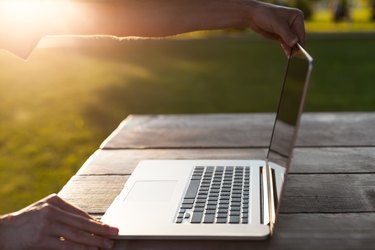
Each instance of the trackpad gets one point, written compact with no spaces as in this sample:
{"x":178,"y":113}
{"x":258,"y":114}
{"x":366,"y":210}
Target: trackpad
{"x":151,"y":191}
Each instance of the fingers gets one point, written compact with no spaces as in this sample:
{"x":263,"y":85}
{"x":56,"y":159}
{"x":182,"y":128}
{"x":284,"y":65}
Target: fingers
{"x":81,"y":223}
{"x":283,"y":24}
{"x":288,"y":37}
{"x":68,"y":222}
{"x":292,"y":30}
{"x":81,"y":237}
{"x":55,"y":200}
{"x":58,"y":244}
{"x":298,"y":27}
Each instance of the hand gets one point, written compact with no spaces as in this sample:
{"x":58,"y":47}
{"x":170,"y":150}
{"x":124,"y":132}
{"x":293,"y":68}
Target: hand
{"x":283,"y":24}
{"x":52,"y":223}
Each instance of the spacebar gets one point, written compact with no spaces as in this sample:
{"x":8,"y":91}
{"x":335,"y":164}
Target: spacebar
{"x":192,"y":189}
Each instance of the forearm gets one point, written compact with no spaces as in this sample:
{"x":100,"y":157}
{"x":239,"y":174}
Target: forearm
{"x":149,"y":18}
{"x":20,"y":31}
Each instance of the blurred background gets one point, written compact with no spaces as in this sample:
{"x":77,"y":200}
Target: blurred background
{"x":58,"y":107}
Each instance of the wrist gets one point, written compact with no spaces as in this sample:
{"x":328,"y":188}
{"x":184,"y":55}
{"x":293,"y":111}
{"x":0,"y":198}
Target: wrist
{"x":252,"y":7}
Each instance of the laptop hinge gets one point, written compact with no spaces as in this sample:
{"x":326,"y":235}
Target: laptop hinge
{"x":267,"y":196}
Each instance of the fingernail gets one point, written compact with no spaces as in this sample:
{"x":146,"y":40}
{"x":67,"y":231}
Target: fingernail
{"x":108,"y":244}
{"x":113,"y":230}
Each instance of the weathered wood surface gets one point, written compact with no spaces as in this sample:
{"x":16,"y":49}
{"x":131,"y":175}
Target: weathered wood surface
{"x":329,"y":198}
{"x":311,"y":193}
{"x":306,"y":160}
{"x":293,"y":232}
{"x":239,"y":130}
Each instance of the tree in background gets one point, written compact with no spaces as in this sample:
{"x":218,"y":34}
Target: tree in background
{"x":306,"y":6}
{"x":340,"y":10}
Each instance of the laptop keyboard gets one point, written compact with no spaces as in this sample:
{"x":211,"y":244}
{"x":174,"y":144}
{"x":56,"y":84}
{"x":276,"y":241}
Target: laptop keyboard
{"x":216,"y":195}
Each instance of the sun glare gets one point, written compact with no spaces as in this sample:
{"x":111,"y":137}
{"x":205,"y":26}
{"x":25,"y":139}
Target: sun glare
{"x":24,"y":22}
{"x":17,"y":11}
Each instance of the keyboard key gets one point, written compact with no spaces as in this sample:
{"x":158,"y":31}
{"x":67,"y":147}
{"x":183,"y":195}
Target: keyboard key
{"x":224,"y":202}
{"x":187,"y":206}
{"x":199,"y":201}
{"x":209,"y":218}
{"x":245,"y":221}
{"x":181,"y":214}
{"x":197,"y":217}
{"x":224,"y":198}
{"x":210,"y":211}
{"x":211,"y":207}
{"x":221,"y":220}
{"x":233,"y":199}
{"x":196,"y":177}
{"x":202,"y":197}
{"x":213,"y":198}
{"x":223,"y":210}
{"x":235,"y":208}
{"x":179,"y":220}
{"x":192,"y":189}
{"x":198,"y":209}
{"x":188,"y":201}
{"x":234,"y":219}
{"x":222,"y":215}
{"x":234,"y":213}
{"x":223,"y":205}
{"x":200,"y":204}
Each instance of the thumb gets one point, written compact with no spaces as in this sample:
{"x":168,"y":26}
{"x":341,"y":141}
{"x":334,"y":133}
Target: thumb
{"x":287,"y":36}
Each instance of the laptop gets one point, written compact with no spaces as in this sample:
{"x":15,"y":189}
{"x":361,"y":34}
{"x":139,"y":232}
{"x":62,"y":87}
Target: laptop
{"x":215,"y":199}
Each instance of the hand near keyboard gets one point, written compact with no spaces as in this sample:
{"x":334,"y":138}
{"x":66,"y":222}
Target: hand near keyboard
{"x":53,"y":223}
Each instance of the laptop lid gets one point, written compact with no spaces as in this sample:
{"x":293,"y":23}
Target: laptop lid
{"x":284,"y":133}
{"x":290,"y":107}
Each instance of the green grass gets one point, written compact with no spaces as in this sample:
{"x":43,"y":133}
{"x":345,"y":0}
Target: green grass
{"x":59,"y":106}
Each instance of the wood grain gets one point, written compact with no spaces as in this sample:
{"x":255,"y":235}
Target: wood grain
{"x":238,"y":131}
{"x":313,"y":193}
{"x":306,"y":160}
{"x":293,"y":232}
{"x":93,"y":194}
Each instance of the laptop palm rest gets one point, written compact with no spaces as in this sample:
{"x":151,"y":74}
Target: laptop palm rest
{"x":151,"y":191}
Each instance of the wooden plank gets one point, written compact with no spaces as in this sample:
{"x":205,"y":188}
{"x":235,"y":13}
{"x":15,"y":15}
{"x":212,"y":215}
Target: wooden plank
{"x":329,"y":193}
{"x":306,"y":160}
{"x":315,"y":193}
{"x":239,"y":130}
{"x":193,"y":131}
{"x":297,"y":231}
{"x":93,"y":194}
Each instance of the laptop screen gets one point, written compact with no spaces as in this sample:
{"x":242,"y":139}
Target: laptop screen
{"x":290,"y":108}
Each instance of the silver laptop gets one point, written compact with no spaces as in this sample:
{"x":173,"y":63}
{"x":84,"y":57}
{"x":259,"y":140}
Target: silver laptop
{"x":215,"y":199}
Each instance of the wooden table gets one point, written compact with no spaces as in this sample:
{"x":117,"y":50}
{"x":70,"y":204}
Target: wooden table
{"x":329,"y":199}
